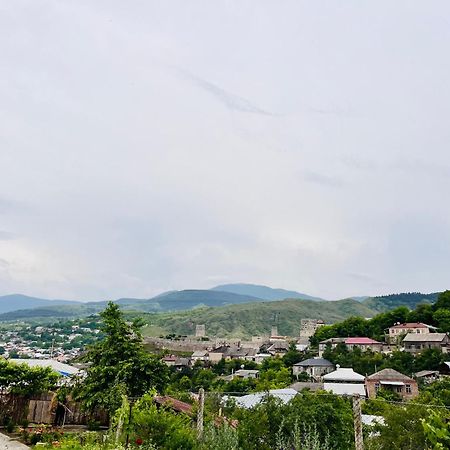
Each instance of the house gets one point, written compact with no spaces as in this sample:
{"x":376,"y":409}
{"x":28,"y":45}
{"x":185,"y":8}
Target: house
{"x":427,"y":376}
{"x":393,"y":381}
{"x":169,"y":360}
{"x":251,"y":400}
{"x":400,"y":329}
{"x":314,"y":367}
{"x":363,"y":343}
{"x":246,"y":373}
{"x":278,"y":348}
{"x":344,"y":381}
{"x":416,"y":342}
{"x":200,"y":355}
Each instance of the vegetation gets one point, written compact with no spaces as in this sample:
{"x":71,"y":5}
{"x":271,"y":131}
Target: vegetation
{"x":118,"y":365}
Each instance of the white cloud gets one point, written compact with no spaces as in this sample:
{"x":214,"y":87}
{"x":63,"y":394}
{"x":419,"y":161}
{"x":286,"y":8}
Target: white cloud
{"x":302,"y":145}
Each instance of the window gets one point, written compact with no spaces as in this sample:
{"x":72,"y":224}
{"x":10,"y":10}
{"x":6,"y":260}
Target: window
{"x":408,"y":389}
{"x":377,"y":386}
{"x":399,"y":388}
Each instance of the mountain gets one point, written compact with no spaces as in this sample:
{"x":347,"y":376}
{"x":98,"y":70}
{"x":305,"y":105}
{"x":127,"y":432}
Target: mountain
{"x":169,"y":301}
{"x":251,"y":319}
{"x":410,"y":299}
{"x":264,"y":292}
{"x":18,"y":301}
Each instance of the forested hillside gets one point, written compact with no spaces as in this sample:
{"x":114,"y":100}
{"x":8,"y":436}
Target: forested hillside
{"x":256,"y":318}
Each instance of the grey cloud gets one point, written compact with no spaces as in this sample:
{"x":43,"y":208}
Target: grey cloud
{"x":323,"y":180}
{"x":7,"y":236}
{"x":230,"y":100}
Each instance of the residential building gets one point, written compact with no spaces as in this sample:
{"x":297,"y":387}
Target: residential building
{"x":363,"y":343}
{"x":63,"y":369}
{"x":314,"y":367}
{"x":251,"y":400}
{"x":427,"y":376}
{"x":278,"y":348}
{"x":398,"y":330}
{"x":394,"y":381}
{"x":344,"y":381}
{"x":200,"y":355}
{"x":417,"y":342}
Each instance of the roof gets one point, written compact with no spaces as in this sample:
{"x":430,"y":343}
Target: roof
{"x":410,"y":325}
{"x":312,"y":386}
{"x":361,"y":340}
{"x":389,"y":375}
{"x":334,"y":340}
{"x":369,"y":419}
{"x":343,"y":374}
{"x":426,"y":373}
{"x":321,"y":362}
{"x":199,"y":354}
{"x":63,"y":369}
{"x":173,"y":403}
{"x":251,"y":400}
{"x":429,"y":337}
{"x":244,"y":372}
{"x":345,"y":388}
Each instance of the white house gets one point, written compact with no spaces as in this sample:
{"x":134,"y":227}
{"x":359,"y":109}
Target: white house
{"x":344,"y":381}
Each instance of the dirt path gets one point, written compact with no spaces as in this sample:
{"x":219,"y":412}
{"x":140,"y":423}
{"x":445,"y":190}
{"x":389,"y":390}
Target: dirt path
{"x":8,"y":444}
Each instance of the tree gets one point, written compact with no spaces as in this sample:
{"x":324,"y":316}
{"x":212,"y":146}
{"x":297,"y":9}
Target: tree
{"x":443,"y":301}
{"x":118,"y":365}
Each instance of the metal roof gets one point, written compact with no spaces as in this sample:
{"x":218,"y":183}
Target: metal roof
{"x":343,"y":374}
{"x":251,"y":400}
{"x":61,"y":368}
{"x":428,"y":337}
{"x":314,"y":362}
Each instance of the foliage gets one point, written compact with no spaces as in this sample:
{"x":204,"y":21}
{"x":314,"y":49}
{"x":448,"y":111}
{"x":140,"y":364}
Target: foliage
{"x":119,"y":365}
{"x":315,"y":417}
{"x":25,"y":380}
{"x":436,"y":430}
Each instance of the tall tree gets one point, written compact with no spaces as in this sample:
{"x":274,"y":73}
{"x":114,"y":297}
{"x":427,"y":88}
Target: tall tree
{"x":119,"y":365}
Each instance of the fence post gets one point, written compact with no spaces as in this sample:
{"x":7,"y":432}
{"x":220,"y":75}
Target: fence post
{"x":201,"y":405}
{"x":357,"y":421}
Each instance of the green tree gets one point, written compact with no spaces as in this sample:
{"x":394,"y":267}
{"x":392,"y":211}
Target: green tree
{"x":443,"y":301}
{"x":118,"y":365}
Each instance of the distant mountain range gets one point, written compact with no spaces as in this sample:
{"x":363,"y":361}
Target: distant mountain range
{"x":264,"y":292}
{"x":16,"y":306}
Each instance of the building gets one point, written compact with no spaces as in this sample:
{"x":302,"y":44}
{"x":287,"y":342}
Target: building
{"x":427,"y":376}
{"x":394,"y":381}
{"x":309,"y":326}
{"x":63,"y":369}
{"x":344,"y":381}
{"x":278,"y":348}
{"x":314,"y":367}
{"x":251,"y":400}
{"x":398,"y":330}
{"x":417,"y":342}
{"x":244,"y":374}
{"x":363,"y":343}
{"x":200,"y":331}
{"x":200,"y":355}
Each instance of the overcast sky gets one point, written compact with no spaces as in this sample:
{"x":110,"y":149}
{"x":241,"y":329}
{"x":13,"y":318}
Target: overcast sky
{"x":155,"y":145}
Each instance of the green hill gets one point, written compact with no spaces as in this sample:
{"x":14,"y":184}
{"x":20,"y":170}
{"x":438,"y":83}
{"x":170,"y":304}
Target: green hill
{"x":255,"y":318}
{"x":410,"y":299}
{"x":264,"y":292}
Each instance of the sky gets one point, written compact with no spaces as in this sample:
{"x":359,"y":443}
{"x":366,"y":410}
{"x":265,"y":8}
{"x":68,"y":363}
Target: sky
{"x":147,"y":146}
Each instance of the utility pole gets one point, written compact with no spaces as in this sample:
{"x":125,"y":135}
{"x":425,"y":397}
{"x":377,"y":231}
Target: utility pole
{"x":201,"y":405}
{"x":357,"y":421}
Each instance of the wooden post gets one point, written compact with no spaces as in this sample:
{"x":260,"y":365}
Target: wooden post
{"x":201,"y":405}
{"x":357,"y":421}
